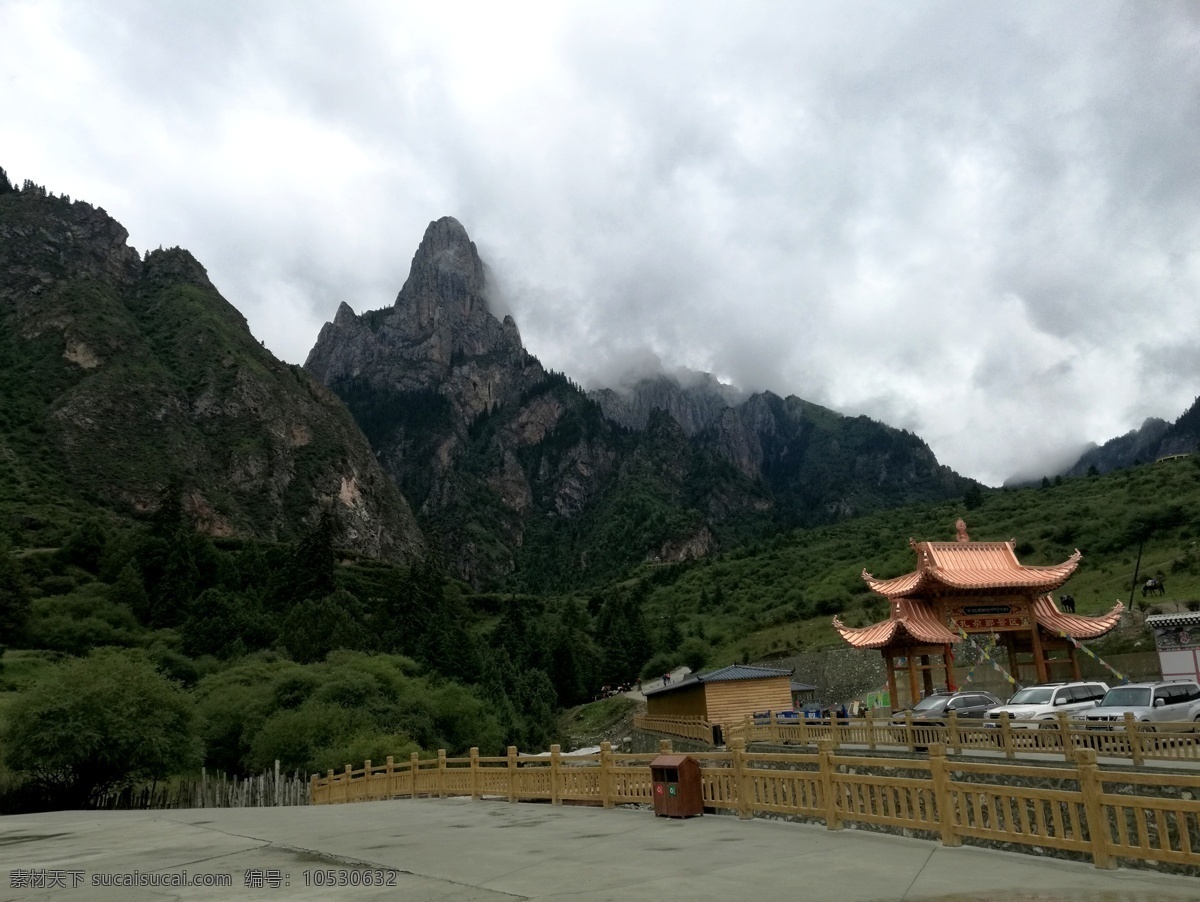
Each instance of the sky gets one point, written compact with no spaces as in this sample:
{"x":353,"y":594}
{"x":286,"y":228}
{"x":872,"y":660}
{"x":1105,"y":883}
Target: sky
{"x":975,"y":221}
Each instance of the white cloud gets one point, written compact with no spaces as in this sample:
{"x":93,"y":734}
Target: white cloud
{"x":975,"y":221}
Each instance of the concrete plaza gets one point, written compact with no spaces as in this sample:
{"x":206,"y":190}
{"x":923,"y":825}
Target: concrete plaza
{"x":457,"y":849}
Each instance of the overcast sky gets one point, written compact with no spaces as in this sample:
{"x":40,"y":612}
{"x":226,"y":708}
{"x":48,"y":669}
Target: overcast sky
{"x":977,"y":221}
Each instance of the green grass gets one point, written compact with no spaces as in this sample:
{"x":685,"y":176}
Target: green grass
{"x":780,"y":596}
{"x":586,"y":724}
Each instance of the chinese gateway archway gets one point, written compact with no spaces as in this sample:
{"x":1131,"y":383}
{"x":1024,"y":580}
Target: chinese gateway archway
{"x":966,"y":588}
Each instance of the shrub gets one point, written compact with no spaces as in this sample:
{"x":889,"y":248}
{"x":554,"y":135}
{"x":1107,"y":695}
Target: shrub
{"x":100,"y":723}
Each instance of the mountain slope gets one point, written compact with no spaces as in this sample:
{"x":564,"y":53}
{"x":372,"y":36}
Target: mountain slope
{"x":124,"y":377}
{"x":529,"y":482}
{"x":1155,"y":439}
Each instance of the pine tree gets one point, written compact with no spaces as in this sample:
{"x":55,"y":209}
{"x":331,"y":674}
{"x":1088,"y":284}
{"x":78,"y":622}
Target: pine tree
{"x":14,"y":597}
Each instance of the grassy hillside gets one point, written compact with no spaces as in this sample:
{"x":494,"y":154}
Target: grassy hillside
{"x":780,"y":597}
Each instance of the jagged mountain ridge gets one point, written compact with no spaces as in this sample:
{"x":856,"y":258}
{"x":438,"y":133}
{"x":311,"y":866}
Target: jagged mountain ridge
{"x":522,"y":474}
{"x":1154,"y":439}
{"x":775,"y":439}
{"x":694,"y":400}
{"x":124,"y":376}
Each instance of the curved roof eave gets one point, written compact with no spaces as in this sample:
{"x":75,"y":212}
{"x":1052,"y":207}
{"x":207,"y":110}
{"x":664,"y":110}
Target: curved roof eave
{"x":1077,"y":626}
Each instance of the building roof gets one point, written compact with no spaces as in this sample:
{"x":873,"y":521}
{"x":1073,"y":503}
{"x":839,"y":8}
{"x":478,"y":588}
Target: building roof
{"x":723,"y":675}
{"x":1188,"y":619}
{"x":913,"y":619}
{"x":910,"y":618}
{"x":1054,"y":621}
{"x":969,"y":565}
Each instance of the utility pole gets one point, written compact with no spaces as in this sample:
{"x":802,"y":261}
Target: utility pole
{"x":1138,"y":565}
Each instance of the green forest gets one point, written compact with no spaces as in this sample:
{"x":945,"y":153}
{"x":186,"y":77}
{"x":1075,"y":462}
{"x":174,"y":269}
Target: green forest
{"x":134,"y":651}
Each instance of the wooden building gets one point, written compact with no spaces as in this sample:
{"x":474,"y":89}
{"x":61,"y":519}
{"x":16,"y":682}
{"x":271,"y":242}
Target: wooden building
{"x":723,"y":696}
{"x":966,"y":588}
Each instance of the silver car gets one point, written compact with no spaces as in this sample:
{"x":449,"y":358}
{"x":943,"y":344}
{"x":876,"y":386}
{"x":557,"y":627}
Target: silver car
{"x":1038,"y":706}
{"x":1158,"y":702}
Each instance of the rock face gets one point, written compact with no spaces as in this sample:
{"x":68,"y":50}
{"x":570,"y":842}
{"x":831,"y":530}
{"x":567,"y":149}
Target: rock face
{"x":440,"y":332}
{"x":818,"y":463}
{"x":124,"y":376}
{"x":509,"y":464}
{"x":529,"y":482}
{"x":694,"y":400}
{"x":419,"y":375}
{"x":1156,"y":438}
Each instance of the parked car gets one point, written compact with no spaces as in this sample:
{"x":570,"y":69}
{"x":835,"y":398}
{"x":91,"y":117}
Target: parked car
{"x":935,"y":709}
{"x":1039,"y":706}
{"x":1152,"y":702}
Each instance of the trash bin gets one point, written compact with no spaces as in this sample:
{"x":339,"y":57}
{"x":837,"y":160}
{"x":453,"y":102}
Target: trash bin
{"x":676,"y":784}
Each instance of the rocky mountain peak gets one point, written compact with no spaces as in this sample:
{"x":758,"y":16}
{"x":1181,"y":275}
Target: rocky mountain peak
{"x":439,"y":335}
{"x":445,"y":284}
{"x":43,"y":238}
{"x":175,"y":265}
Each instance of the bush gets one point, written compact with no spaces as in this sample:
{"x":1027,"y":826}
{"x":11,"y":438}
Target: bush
{"x":97,"y":724}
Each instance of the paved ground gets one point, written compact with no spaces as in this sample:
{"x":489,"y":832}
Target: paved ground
{"x":456,"y":849}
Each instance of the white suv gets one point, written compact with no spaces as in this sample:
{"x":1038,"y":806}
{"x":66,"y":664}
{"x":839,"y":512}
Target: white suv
{"x":1037,"y":706}
{"x":1158,"y":702}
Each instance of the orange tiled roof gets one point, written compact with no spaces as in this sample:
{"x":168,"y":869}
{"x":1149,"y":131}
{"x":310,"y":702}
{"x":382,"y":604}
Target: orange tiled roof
{"x":1076,"y":626}
{"x":913,"y":617}
{"x":908,"y":616}
{"x":972,"y":565}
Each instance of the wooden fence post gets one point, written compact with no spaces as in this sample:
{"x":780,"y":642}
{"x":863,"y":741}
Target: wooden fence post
{"x":745,"y":787}
{"x":312,"y":791}
{"x":1006,"y":735}
{"x":955,"y":737}
{"x":833,"y":820}
{"x":441,"y":774}
{"x":938,"y":771}
{"x":390,"y":777}
{"x":606,"y":774}
{"x":512,"y":773}
{"x":1134,"y":733}
{"x":368,"y":781}
{"x":414,"y":765}
{"x":664,"y":746}
{"x":555,"y":774}
{"x":870,"y":732}
{"x":908,"y":732}
{"x":329,"y":785}
{"x":475,"y":793}
{"x":1091,"y":787}
{"x":1064,"y":736}
{"x":834,"y":733}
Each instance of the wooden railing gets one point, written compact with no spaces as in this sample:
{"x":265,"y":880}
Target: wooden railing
{"x":684,"y":727}
{"x":1137,"y":742}
{"x":1107,"y":815}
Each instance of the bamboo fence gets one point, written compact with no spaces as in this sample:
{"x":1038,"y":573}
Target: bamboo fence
{"x":269,"y":789}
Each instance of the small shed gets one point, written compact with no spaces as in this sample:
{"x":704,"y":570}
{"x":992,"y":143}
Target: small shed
{"x":724,"y":696}
{"x":1177,"y":638}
